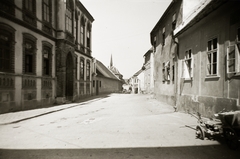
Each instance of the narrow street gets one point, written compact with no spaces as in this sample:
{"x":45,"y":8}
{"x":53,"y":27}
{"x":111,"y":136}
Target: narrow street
{"x":112,"y":126}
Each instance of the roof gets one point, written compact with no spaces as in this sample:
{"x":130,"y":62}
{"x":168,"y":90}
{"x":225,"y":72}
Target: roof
{"x":149,"y":51}
{"x":197,"y":14}
{"x":137,"y":73}
{"x":161,"y":19}
{"x":114,"y":70}
{"x":104,"y":70}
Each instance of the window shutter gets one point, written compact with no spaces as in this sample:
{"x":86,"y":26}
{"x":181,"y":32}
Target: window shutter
{"x":237,"y":52}
{"x":231,"y":59}
{"x":185,"y":72}
{"x":192,"y":66}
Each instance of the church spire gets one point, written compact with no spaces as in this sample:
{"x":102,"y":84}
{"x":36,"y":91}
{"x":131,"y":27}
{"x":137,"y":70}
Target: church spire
{"x":111,"y":63}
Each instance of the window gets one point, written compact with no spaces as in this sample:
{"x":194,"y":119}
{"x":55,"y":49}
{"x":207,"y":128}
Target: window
{"x":88,"y":70}
{"x":69,"y":20}
{"x":29,"y":11}
{"x":46,"y":61}
{"x":82,"y":68}
{"x":163,"y":36}
{"x":166,"y":71}
{"x":154,"y":43}
{"x":47,"y":58}
{"x":174,"y":22}
{"x":82,"y":32}
{"x":46,"y":15}
{"x":93,"y":83}
{"x":188,"y":65}
{"x":29,"y":54}
{"x":5,"y":51}
{"x":88,"y":38}
{"x":76,"y":27}
{"x":8,"y":7}
{"x":212,"y":57}
{"x":69,"y":16}
{"x":233,"y":56}
{"x":46,"y":10}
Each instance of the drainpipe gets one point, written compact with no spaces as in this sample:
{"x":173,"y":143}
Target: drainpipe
{"x":175,"y":40}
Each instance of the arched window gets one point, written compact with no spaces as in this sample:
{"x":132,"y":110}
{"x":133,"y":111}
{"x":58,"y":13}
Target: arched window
{"x":7,"y":36}
{"x":29,"y":54}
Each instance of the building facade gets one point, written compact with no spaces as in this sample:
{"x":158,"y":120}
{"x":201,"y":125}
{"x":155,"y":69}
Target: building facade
{"x":73,"y":51}
{"x":148,"y":66}
{"x":196,"y":51}
{"x":104,"y":80}
{"x":42,"y":44}
{"x":164,"y":50}
{"x":208,"y":65}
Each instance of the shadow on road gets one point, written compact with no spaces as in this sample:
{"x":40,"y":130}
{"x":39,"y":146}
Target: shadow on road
{"x":186,"y":152}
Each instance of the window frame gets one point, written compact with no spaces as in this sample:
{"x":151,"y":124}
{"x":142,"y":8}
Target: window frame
{"x":166,"y":71}
{"x":88,"y":66}
{"x":29,"y":15}
{"x":188,"y":58}
{"x":88,"y":38}
{"x":163,"y":36}
{"x":9,"y":33}
{"x":82,"y":65}
{"x":82,"y":32}
{"x":8,"y":6}
{"x":48,"y":46}
{"x":236,"y":55}
{"x":211,"y":62}
{"x":28,"y":38}
{"x":47,"y":23}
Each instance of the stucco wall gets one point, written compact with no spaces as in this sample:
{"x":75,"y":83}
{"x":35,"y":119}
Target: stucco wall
{"x":108,"y":85}
{"x":203,"y":93}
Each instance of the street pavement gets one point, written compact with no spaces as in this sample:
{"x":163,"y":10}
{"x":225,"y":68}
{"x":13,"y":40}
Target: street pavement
{"x":109,"y":126}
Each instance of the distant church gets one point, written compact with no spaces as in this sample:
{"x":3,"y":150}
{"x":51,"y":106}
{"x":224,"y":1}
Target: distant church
{"x":115,"y":70}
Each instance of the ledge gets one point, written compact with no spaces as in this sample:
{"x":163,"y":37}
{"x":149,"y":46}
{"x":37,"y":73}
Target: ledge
{"x":212,"y":77}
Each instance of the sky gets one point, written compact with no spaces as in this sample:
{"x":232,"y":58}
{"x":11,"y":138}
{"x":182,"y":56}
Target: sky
{"x":122,"y":29}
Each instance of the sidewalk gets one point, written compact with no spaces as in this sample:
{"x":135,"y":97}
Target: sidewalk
{"x":15,"y":117}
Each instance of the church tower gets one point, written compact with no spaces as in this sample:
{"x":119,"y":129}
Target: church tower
{"x":114,"y":69}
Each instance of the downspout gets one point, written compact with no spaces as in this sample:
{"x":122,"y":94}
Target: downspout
{"x":175,"y":41}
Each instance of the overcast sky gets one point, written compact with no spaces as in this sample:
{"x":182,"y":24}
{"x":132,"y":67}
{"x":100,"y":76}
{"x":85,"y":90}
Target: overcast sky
{"x":122,"y":28}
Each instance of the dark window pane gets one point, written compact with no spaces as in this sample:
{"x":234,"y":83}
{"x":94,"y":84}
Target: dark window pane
{"x":214,"y":43}
{"x":209,"y":45}
{"x":215,"y":57}
{"x":214,"y":69}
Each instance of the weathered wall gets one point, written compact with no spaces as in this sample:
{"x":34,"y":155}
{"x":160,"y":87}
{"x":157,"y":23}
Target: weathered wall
{"x":164,"y":90}
{"x":203,"y":93}
{"x":108,"y":85}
